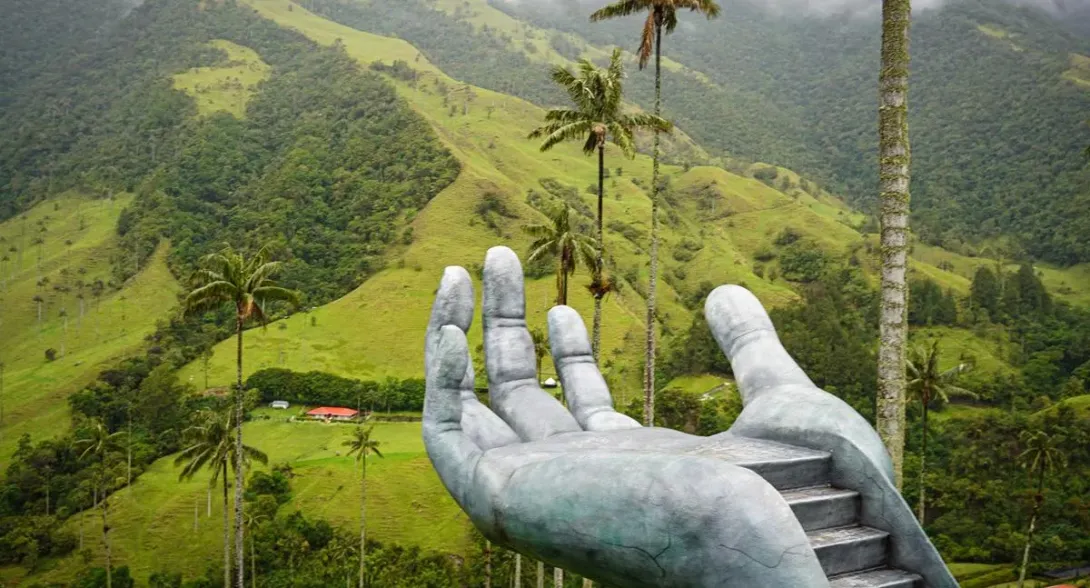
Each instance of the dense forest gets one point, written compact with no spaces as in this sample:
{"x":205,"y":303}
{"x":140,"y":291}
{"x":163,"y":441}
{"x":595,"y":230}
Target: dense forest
{"x":998,"y":132}
{"x":327,"y":165}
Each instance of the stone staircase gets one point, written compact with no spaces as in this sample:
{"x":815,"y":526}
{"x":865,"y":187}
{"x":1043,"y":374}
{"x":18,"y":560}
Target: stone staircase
{"x":852,"y":555}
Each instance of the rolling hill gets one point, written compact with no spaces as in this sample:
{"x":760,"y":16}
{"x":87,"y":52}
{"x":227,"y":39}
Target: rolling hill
{"x":723,"y":220}
{"x":79,"y":243}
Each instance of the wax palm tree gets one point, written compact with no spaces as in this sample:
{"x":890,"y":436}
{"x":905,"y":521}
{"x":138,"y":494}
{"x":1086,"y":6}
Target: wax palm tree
{"x":361,"y":444}
{"x":893,"y":165}
{"x":229,"y":278}
{"x":541,"y":347}
{"x":252,"y":520}
{"x":661,"y":15}
{"x":571,"y":247}
{"x":1042,"y":454}
{"x":211,"y":446}
{"x":97,"y":443}
{"x":598,"y":115}
{"x":927,"y":383}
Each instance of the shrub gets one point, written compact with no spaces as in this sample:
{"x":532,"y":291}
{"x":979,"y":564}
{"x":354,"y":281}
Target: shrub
{"x":317,"y":387}
{"x":764,"y":254}
{"x":50,"y":354}
{"x":788,"y":236}
{"x":627,"y":231}
{"x":766,"y":173}
{"x":802,"y":263}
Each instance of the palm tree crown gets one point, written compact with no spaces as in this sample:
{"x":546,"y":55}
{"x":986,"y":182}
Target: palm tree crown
{"x":228,"y":277}
{"x":98,"y":441}
{"x":212,"y":445}
{"x":928,"y":382}
{"x":571,"y":246}
{"x":1042,"y":451}
{"x":596,"y":95}
{"x":360,"y":443}
{"x":660,"y":13}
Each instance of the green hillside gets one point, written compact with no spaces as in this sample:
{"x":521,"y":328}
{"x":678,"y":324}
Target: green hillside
{"x":78,"y":244}
{"x":156,"y":529}
{"x":284,"y":126}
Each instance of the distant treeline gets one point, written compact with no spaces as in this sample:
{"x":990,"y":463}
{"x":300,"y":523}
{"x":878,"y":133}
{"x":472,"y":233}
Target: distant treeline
{"x":327,"y":389}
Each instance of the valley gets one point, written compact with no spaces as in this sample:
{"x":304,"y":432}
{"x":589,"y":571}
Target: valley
{"x":725,"y":220}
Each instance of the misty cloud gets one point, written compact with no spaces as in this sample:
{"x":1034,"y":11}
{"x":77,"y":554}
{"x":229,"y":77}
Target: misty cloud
{"x":840,"y":7}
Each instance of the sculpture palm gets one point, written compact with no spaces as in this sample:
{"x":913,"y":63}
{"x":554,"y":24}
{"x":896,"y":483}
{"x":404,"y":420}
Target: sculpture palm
{"x":590,"y":490}
{"x":597,"y":116}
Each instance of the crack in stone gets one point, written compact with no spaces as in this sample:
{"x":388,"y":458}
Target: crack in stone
{"x":770,"y":567}
{"x":654,"y":558}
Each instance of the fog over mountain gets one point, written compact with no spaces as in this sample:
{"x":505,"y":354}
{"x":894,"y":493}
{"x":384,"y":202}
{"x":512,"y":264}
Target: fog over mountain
{"x":855,"y":7}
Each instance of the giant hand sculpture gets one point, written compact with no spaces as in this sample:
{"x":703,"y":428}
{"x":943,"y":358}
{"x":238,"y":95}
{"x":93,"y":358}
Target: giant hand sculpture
{"x":588,"y":489}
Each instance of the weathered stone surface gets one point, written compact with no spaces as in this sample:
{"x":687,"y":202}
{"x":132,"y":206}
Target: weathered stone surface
{"x":590,"y":490}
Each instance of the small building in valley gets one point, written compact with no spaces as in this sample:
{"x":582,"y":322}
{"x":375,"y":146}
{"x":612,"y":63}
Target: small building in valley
{"x":333,"y":413}
{"x":281,"y":404}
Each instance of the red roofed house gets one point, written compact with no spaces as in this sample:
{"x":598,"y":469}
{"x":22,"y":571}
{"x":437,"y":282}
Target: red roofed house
{"x":333,"y":413}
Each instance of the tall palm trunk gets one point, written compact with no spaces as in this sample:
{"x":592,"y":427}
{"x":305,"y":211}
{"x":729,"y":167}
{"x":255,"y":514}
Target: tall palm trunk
{"x":487,"y":564}
{"x":106,"y":541}
{"x":240,"y":552}
{"x":253,"y":561}
{"x":363,"y":518}
{"x":894,"y":181}
{"x":1037,"y":500}
{"x":518,"y":570}
{"x":226,"y":532}
{"x":923,"y":469}
{"x":540,"y":574}
{"x":597,"y":341}
{"x":649,"y":359}
{"x":558,"y":578}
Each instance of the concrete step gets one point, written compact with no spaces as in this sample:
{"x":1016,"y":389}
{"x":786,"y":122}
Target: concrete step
{"x":877,"y":578}
{"x":821,"y":507}
{"x":784,"y":466}
{"x":842,"y":550}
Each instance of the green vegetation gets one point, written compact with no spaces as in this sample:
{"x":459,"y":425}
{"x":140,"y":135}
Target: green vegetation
{"x":106,"y":321}
{"x":245,"y":285}
{"x":227,"y":87}
{"x":597,"y":95}
{"x":369,"y":169}
{"x":797,"y":104}
{"x":149,"y":520}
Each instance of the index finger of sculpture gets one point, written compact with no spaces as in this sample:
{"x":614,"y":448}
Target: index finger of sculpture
{"x":509,"y":354}
{"x":584,"y":387}
{"x":454,"y":306}
{"x":746,"y":335}
{"x":451,"y":451}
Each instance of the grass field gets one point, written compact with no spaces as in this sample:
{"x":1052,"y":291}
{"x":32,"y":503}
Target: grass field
{"x":109,"y":328}
{"x":154,"y":523}
{"x":227,"y":87}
